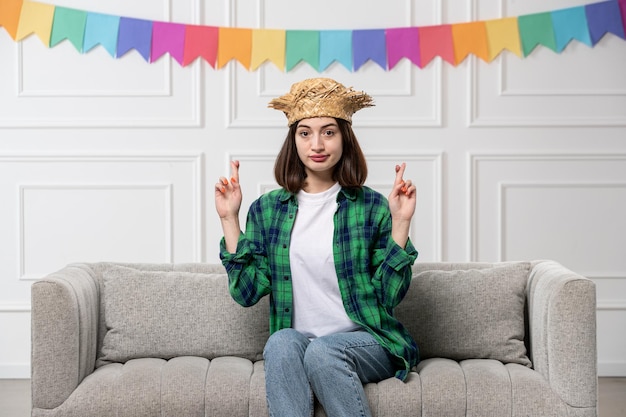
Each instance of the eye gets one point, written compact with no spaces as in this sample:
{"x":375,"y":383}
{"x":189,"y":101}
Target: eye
{"x":303,"y":133}
{"x":329,"y":132}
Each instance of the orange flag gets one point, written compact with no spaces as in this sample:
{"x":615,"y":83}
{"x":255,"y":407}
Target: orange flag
{"x":503,"y":34}
{"x":36,"y":18}
{"x":470,"y":38}
{"x":234,"y":43}
{"x":10,"y":16}
{"x":268,"y":44}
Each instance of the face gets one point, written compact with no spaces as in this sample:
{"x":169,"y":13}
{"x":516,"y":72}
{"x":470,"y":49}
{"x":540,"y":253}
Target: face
{"x":319,"y":145}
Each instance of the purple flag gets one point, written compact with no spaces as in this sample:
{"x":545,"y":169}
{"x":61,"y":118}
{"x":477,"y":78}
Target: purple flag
{"x":134,"y":34}
{"x":369,"y":44}
{"x":622,"y":6}
{"x":168,"y":37}
{"x":604,"y":18}
{"x":403,"y":43}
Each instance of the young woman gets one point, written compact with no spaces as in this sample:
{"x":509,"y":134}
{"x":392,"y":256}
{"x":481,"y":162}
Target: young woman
{"x":333,"y":254}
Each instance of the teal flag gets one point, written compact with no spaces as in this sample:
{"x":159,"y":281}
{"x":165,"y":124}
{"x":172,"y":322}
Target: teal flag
{"x":536,"y":29}
{"x":68,"y":24}
{"x":302,"y":45}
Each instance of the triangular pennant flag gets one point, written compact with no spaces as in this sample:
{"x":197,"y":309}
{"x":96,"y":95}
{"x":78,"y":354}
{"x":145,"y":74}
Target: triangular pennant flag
{"x":436,"y":41}
{"x":10,"y":11}
{"x":570,"y":24}
{"x":168,"y":38}
{"x":335,"y":45}
{"x":134,"y":34}
{"x":234,"y":43}
{"x":36,"y":18}
{"x":201,"y":41}
{"x":470,"y":38}
{"x":605,"y":17}
{"x":403,"y":43}
{"x":68,"y":24}
{"x":536,"y":29}
{"x":303,"y":45}
{"x":622,"y":7}
{"x":369,"y":44}
{"x":101,"y":29}
{"x":503,"y":34}
{"x":268,"y":44}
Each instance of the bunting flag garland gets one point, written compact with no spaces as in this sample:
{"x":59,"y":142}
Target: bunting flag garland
{"x":286,"y":49}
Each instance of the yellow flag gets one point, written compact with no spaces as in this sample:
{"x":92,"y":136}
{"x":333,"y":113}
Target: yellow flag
{"x":36,"y":18}
{"x":503,"y":34}
{"x":268,"y":44}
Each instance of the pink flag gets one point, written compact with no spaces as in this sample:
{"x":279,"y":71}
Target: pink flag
{"x":201,"y":41}
{"x":436,"y":41}
{"x":403,"y":43}
{"x":168,"y":37}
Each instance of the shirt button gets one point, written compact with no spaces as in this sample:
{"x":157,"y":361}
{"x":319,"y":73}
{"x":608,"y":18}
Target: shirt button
{"x":284,"y":246}
{"x":286,"y":310}
{"x":286,"y":278}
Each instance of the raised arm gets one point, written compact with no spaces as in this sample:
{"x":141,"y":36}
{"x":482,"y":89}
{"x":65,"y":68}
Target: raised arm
{"x":227,"y":203}
{"x":402,"y":200}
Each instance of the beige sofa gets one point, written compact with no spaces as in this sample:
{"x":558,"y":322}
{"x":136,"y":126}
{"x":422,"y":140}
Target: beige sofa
{"x":507,"y":339}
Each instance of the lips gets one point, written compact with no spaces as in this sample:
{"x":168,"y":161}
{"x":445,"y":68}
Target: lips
{"x":319,"y":158}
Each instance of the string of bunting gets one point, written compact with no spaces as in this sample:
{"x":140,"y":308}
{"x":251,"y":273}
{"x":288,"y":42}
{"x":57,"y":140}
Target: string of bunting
{"x":217,"y":45}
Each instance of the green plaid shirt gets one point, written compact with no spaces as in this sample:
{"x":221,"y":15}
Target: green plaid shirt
{"x":374,"y":272}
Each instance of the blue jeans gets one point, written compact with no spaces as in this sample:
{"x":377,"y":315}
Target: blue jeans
{"x":333,"y":368}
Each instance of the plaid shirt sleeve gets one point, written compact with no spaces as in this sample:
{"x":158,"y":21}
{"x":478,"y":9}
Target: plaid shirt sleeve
{"x":248,"y":268}
{"x":374,"y":272}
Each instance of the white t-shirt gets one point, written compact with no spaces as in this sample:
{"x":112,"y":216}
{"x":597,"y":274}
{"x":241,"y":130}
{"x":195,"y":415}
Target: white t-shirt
{"x":318,"y":308}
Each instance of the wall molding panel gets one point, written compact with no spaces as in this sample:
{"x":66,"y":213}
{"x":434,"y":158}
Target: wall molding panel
{"x":551,"y":187}
{"x":574,"y":170}
{"x":95,"y":90}
{"x":405,"y":97}
{"x":542,"y":89}
{"x":167,"y":189}
{"x":116,"y":192}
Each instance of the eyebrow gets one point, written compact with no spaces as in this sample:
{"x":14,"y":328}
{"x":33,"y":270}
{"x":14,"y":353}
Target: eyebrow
{"x":323,"y":127}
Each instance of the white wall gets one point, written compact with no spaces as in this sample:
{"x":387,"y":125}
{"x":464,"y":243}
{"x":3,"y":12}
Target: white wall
{"x":104,"y":159}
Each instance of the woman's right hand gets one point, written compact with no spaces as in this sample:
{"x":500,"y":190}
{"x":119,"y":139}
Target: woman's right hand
{"x":228,"y":194}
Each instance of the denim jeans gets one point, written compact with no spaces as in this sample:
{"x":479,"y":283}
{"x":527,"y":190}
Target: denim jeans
{"x":332,"y":368}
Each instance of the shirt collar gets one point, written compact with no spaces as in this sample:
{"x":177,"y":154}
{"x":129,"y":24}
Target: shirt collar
{"x":349,"y":193}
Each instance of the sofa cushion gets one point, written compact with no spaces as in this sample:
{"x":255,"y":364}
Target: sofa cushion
{"x":467,"y":314}
{"x":158,"y":314}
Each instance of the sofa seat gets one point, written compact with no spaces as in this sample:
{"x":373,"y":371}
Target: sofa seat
{"x":182,"y":387}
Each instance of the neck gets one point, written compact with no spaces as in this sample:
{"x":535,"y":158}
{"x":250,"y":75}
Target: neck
{"x":317,"y":184}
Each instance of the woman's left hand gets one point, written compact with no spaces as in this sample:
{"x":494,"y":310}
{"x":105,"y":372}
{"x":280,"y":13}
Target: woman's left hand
{"x":402,"y":201}
{"x":403,"y":196}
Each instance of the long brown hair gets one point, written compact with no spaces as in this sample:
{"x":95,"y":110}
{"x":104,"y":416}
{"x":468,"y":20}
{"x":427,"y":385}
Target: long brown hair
{"x":350,"y":171}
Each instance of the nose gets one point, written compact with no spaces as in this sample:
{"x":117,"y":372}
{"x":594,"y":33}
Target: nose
{"x":317,"y":143}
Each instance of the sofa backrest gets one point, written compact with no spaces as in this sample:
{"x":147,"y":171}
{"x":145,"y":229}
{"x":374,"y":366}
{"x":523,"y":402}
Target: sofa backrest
{"x":468,"y":311}
{"x":454,"y":310}
{"x":163,"y":311}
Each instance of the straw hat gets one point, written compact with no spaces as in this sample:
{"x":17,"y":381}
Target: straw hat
{"x":320,"y":97}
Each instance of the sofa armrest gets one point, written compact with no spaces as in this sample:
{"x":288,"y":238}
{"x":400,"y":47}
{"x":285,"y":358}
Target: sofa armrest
{"x":64,"y":328}
{"x":562,"y":324}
